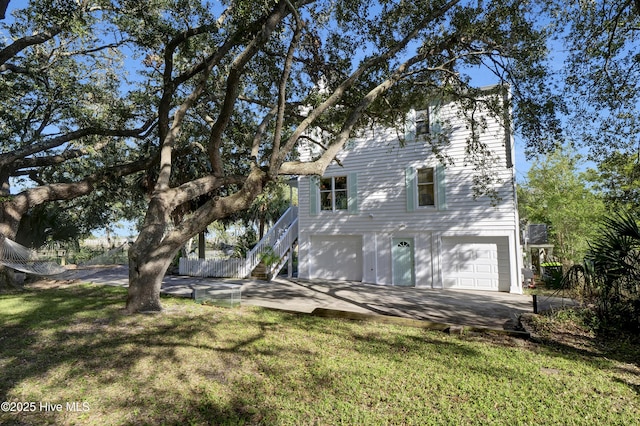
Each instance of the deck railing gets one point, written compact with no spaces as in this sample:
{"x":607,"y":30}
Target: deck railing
{"x":272,"y":237}
{"x":282,"y":247}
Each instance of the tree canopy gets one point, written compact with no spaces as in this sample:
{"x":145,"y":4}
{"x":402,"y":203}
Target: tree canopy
{"x":556,"y":193}
{"x":224,"y":93}
{"x":68,"y":126}
{"x":601,"y":71}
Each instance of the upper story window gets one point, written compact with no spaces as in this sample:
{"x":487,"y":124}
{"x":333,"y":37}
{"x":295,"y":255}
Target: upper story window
{"x":426,"y":187}
{"x":334,"y":193}
{"x":422,"y":122}
{"x":425,"y":122}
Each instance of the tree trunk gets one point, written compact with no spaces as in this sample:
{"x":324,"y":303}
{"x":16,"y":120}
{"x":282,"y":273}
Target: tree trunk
{"x":153,"y":251}
{"x":149,"y":258}
{"x":145,"y":281}
{"x":9,"y":219}
{"x":8,"y":229}
{"x":9,"y":279}
{"x":201,"y":246}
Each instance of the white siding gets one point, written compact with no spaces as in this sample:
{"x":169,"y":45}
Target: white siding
{"x":380,"y":163}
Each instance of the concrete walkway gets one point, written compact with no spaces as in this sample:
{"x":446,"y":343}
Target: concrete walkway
{"x":493,"y":310}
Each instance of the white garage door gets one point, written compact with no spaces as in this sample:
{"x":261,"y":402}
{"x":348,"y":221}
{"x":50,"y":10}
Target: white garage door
{"x":336,"y":258}
{"x":470,"y":264}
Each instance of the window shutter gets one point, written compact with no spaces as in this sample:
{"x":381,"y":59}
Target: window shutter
{"x":441,"y":187}
{"x":410,"y":185}
{"x":352,"y":202}
{"x":410,"y":126}
{"x":435,"y":120}
{"x":314,"y":194}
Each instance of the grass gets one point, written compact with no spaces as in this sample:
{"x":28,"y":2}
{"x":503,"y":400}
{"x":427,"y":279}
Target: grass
{"x":198,"y":364}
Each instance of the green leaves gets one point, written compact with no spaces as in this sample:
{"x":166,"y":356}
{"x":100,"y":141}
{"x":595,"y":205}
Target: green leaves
{"x":617,"y":179}
{"x":212,"y":75}
{"x":601,"y":71}
{"x":556,"y":194}
{"x":615,"y":256}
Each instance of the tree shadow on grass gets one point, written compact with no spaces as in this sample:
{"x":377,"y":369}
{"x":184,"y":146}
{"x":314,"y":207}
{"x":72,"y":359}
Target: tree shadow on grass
{"x":187,"y":365}
{"x":76,"y":344}
{"x":204,"y":365}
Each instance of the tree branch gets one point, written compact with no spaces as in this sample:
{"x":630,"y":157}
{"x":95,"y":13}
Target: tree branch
{"x":365,"y":66}
{"x":4,"y":4}
{"x":274,"y":164}
{"x":318,"y":166}
{"x":22,"y":43}
{"x":20,"y":204}
{"x":233,"y":82}
{"x":9,"y":157}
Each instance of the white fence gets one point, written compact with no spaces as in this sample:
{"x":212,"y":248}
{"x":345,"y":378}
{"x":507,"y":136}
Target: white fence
{"x":230,"y":268}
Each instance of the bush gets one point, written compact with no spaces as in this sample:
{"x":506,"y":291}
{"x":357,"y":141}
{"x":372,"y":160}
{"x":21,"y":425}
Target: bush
{"x":552,"y":274}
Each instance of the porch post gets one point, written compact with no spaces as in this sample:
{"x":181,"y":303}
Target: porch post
{"x":201,"y":246}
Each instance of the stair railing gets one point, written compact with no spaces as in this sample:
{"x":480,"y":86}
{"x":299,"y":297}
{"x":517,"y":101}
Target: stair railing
{"x":283,"y":246}
{"x":277,"y":232}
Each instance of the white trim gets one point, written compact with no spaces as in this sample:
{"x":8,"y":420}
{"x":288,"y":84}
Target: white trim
{"x":434,"y":182}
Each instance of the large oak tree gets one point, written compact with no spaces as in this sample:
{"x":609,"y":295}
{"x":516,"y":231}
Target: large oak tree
{"x":67,"y":126}
{"x":250,"y":80}
{"x":236,"y":86}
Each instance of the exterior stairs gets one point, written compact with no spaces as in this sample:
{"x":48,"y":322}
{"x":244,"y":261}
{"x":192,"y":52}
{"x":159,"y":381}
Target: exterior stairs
{"x":276,"y":248}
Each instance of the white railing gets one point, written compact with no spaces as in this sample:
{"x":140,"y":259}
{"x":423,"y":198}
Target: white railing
{"x":277,"y":232}
{"x":282,"y":247}
{"x":280,"y":238}
{"x":229,"y":268}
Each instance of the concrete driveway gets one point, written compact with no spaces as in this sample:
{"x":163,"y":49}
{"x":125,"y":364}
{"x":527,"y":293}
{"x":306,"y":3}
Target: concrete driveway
{"x":483,"y":309}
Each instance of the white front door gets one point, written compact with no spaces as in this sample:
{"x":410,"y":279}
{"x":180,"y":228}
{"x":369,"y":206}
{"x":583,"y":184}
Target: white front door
{"x":402,"y":262}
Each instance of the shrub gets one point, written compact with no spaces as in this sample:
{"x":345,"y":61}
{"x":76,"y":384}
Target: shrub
{"x":614,"y":265}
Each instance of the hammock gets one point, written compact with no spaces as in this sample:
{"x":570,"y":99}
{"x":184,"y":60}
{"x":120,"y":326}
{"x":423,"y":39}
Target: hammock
{"x":20,"y":258}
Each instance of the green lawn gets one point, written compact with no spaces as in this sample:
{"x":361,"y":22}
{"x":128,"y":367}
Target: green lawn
{"x":198,"y":364}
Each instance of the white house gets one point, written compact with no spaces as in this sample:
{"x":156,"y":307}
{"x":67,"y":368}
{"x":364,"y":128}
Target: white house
{"x":397,"y":215}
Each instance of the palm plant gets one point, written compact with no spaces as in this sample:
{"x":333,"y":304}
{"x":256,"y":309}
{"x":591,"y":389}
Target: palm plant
{"x":615,"y":262}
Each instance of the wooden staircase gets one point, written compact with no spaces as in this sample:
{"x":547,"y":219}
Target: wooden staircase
{"x":260,"y":272}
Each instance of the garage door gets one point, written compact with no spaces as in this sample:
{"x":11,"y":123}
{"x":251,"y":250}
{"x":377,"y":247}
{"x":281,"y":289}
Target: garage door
{"x":470,"y":264}
{"x":336,"y":258}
